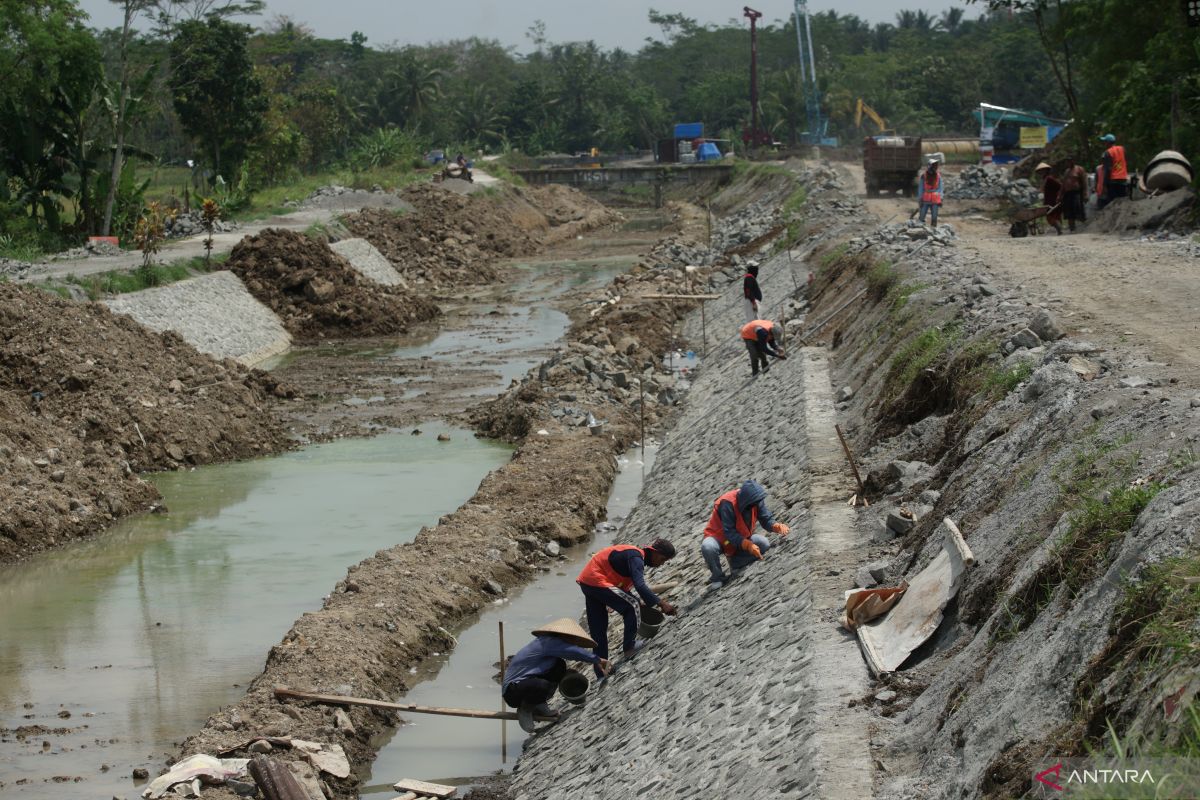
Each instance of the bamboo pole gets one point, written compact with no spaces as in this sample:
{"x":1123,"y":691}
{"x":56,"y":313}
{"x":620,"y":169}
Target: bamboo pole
{"x":284,"y":693}
{"x":642,"y":412}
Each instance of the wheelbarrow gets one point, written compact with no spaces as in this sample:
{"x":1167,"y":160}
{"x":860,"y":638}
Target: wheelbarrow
{"x":1027,"y":221}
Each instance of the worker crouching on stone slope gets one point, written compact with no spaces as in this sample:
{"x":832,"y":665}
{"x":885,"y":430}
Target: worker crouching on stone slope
{"x":759,"y":336}
{"x":730,"y":530}
{"x":532,"y":677}
{"x":607,"y":581}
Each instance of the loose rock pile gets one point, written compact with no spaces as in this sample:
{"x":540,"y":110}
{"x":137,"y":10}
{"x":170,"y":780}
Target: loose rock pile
{"x":316,"y":293}
{"x":990,"y":182}
{"x":192,"y":224}
{"x":90,"y":398}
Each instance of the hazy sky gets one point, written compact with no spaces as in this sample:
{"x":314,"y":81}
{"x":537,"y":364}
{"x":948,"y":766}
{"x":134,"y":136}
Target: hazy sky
{"x":611,"y":23}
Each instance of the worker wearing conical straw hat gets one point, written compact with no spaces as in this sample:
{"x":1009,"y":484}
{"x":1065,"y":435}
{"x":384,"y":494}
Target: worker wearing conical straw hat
{"x":534,"y":674}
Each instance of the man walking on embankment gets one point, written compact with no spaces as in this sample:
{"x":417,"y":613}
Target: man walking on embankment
{"x":751,"y":292}
{"x":730,"y":530}
{"x":608,"y":581}
{"x":1116,"y":172}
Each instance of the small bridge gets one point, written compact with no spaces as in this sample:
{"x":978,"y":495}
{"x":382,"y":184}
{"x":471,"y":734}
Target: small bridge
{"x":609,"y":178}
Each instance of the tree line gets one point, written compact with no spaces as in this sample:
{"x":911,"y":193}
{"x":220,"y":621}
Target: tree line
{"x":254,"y":106}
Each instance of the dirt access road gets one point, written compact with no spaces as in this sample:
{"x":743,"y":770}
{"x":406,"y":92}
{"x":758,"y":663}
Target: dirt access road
{"x":1113,"y":290}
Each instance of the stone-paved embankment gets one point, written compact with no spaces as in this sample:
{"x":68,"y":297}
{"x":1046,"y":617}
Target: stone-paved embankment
{"x":725,"y":701}
{"x":214,"y":313}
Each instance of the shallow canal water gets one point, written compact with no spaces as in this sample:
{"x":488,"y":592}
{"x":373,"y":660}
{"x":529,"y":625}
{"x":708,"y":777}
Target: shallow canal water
{"x":144,"y":631}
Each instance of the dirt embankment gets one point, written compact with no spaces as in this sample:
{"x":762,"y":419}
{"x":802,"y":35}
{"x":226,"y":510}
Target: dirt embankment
{"x":453,"y":239}
{"x":90,"y":399}
{"x":317,"y":293}
{"x":1066,"y":456}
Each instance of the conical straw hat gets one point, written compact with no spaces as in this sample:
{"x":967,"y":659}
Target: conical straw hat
{"x":567,"y":628}
{"x":1042,"y":166}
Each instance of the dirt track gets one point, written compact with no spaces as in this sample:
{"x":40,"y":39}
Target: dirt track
{"x":1112,"y":290}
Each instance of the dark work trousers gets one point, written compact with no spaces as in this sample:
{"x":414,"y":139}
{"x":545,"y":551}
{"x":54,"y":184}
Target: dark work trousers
{"x":757,"y":356}
{"x":597,"y":602}
{"x":1073,"y":206}
{"x":536,"y":689}
{"x":1112,"y":191}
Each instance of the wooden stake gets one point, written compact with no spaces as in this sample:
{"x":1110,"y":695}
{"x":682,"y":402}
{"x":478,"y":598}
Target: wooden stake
{"x":503,"y":724}
{"x":642,"y":412}
{"x":284,"y":693}
{"x":862,"y":493}
{"x":703,"y":330}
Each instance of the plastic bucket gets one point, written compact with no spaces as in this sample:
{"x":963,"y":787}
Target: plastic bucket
{"x":574,"y":686}
{"x":597,"y":429}
{"x":652,"y":620}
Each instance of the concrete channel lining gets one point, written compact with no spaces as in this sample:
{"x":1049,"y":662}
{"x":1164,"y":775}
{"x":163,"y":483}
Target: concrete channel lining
{"x":369,"y":262}
{"x":215,"y":313}
{"x":745,"y":693}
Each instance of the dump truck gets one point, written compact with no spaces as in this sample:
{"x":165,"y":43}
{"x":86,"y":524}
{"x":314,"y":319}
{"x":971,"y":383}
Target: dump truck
{"x":891,"y":163}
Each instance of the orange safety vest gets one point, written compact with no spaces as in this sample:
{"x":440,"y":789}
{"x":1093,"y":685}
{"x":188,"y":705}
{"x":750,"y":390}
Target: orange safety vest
{"x":932,"y":193}
{"x":599,"y":572}
{"x":716,"y":529}
{"x":1119,"y":171}
{"x":751,"y":335}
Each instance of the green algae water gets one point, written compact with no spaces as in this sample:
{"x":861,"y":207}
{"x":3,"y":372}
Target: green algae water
{"x":113,"y":649}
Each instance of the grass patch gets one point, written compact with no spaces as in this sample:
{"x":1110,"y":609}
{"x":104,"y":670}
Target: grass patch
{"x":1102,"y":506}
{"x":273,"y":200}
{"x":118,"y":282}
{"x":881,"y":278}
{"x":503,"y":172}
{"x":898,"y":296}
{"x":918,"y":354}
{"x":833,"y":256}
{"x":19,"y":249}
{"x":55,"y":288}
{"x":1002,"y":380}
{"x":795,"y":201}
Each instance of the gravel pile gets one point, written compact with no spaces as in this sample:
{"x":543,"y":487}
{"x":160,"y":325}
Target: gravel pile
{"x":991,"y":182}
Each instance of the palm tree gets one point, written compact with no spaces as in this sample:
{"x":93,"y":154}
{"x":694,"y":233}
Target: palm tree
{"x":412,"y":86}
{"x":906,"y":20}
{"x":785,"y":105}
{"x":478,"y":116}
{"x":951,"y":21}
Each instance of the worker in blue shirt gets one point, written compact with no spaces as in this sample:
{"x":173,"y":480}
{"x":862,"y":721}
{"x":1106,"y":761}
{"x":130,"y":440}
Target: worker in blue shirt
{"x":534,"y":674}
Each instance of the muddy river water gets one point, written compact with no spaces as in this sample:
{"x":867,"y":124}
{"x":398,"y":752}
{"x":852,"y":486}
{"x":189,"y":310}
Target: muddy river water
{"x":114,"y":650}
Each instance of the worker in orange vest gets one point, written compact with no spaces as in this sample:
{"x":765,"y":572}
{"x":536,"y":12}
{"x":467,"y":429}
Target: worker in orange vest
{"x":759,"y":336}
{"x":609,"y":580}
{"x":1116,"y":172}
{"x":931,"y":192}
{"x":730,"y":531}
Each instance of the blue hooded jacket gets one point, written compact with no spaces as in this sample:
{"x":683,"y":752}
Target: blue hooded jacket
{"x":751,"y":494}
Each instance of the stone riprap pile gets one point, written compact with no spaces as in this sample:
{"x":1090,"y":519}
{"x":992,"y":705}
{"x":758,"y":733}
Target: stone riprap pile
{"x":214,"y":313}
{"x":990,"y":183}
{"x":363,"y":256}
{"x":191,"y":223}
{"x":660,"y":726}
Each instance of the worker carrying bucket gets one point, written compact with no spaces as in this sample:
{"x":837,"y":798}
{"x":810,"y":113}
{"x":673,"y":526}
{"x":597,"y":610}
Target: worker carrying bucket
{"x":540,"y":666}
{"x":608,"y":582}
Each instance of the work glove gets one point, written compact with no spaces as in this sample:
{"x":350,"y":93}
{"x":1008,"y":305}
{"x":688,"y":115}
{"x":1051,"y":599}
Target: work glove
{"x":751,"y":548}
{"x":781,"y":529}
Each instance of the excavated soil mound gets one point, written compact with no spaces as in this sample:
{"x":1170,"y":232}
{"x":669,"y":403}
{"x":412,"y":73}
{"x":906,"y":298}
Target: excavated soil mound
{"x":316,"y":292}
{"x":89,"y":398}
{"x":454,"y":239}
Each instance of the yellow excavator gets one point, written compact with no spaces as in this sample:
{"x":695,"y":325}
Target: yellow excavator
{"x":862,"y":108}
